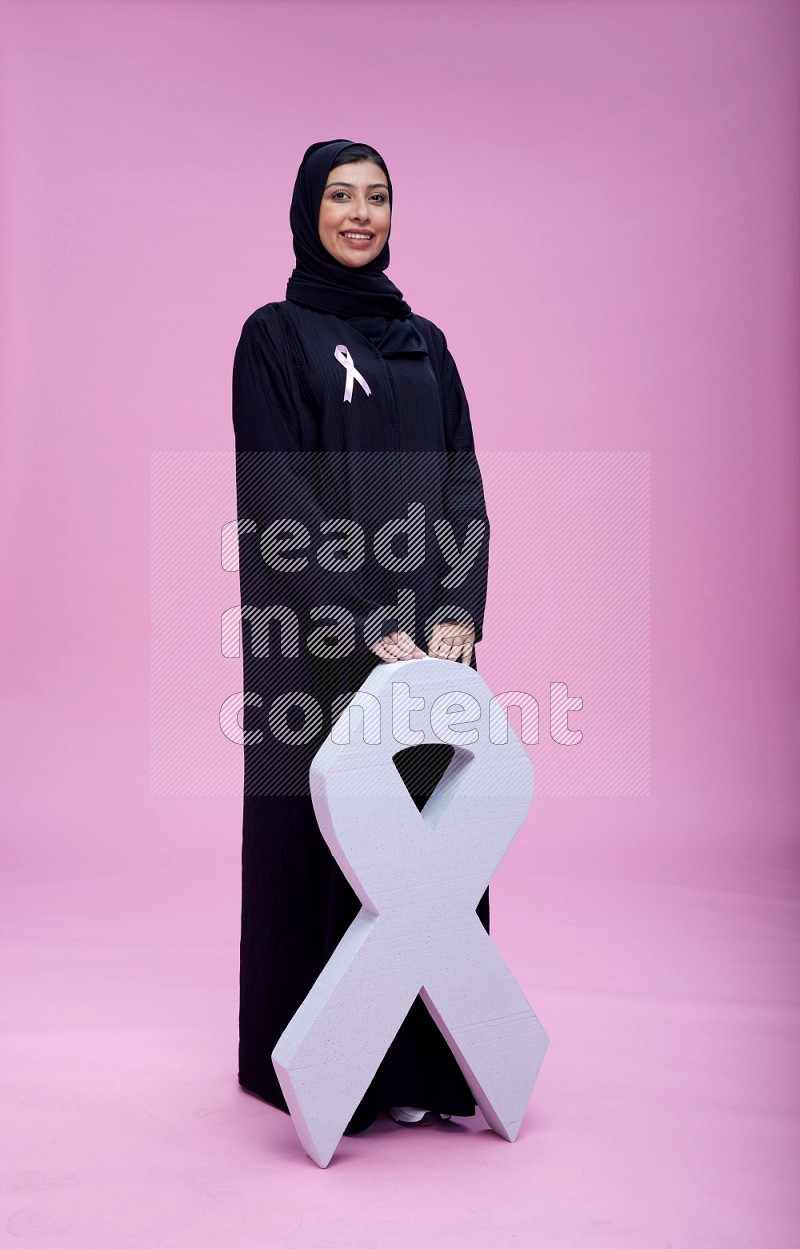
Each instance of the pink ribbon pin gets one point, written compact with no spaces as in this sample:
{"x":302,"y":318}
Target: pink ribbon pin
{"x":342,"y":354}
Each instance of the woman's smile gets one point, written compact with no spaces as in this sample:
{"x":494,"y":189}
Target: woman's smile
{"x":356,"y":238}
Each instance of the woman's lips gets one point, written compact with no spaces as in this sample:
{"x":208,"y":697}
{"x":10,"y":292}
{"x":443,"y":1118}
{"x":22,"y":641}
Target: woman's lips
{"x":356,"y":242}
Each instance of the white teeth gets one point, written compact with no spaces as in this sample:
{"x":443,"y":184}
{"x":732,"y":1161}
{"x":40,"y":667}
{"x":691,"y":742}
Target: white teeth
{"x":348,"y":234}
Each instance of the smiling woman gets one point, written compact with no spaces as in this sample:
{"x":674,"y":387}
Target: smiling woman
{"x":349,"y":416}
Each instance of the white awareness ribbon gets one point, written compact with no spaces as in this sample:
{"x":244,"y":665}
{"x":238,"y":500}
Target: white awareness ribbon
{"x":419,"y":876}
{"x":342,"y":354}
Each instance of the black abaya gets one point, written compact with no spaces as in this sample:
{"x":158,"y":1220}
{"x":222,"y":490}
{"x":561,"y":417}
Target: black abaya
{"x":310,"y":457}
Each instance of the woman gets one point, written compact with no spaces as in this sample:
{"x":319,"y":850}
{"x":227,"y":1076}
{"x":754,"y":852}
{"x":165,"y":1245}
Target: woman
{"x":352,"y":429}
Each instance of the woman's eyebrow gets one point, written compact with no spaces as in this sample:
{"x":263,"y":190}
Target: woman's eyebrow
{"x":372,"y":184}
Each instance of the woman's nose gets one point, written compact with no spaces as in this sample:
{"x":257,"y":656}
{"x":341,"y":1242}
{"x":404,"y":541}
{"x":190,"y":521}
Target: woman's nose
{"x":360,"y":212}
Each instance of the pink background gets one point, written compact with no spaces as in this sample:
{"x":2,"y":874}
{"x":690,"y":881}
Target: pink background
{"x":598,"y":203}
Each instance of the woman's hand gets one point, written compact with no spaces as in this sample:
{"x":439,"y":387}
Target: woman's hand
{"x":394,"y":646}
{"x":451,"y":640}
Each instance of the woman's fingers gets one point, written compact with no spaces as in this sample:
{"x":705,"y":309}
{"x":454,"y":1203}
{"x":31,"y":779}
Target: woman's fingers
{"x":448,"y":640}
{"x":442,"y":641}
{"x":408,"y":646}
{"x":434,"y":642}
{"x":447,"y":644}
{"x":398,"y":645}
{"x":451,"y":640}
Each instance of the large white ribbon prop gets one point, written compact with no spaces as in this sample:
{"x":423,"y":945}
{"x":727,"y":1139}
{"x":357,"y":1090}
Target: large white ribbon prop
{"x":419,"y":876}
{"x":342,"y":354}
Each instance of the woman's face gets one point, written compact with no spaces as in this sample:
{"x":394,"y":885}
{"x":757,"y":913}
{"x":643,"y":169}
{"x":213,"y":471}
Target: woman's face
{"x":354,"y":213}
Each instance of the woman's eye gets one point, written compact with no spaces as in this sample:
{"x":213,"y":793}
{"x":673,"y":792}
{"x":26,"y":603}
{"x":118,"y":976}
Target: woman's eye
{"x":380,"y":196}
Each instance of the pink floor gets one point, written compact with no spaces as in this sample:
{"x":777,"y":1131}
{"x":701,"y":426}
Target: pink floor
{"x":665,"y":1114}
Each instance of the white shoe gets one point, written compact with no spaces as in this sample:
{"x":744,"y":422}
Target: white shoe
{"x":414,"y":1116}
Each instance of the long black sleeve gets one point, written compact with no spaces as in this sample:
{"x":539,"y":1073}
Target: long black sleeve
{"x":464,"y":502}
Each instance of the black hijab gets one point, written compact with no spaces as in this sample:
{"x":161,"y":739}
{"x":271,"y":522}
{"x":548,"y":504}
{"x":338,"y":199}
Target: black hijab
{"x":363,"y":296}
